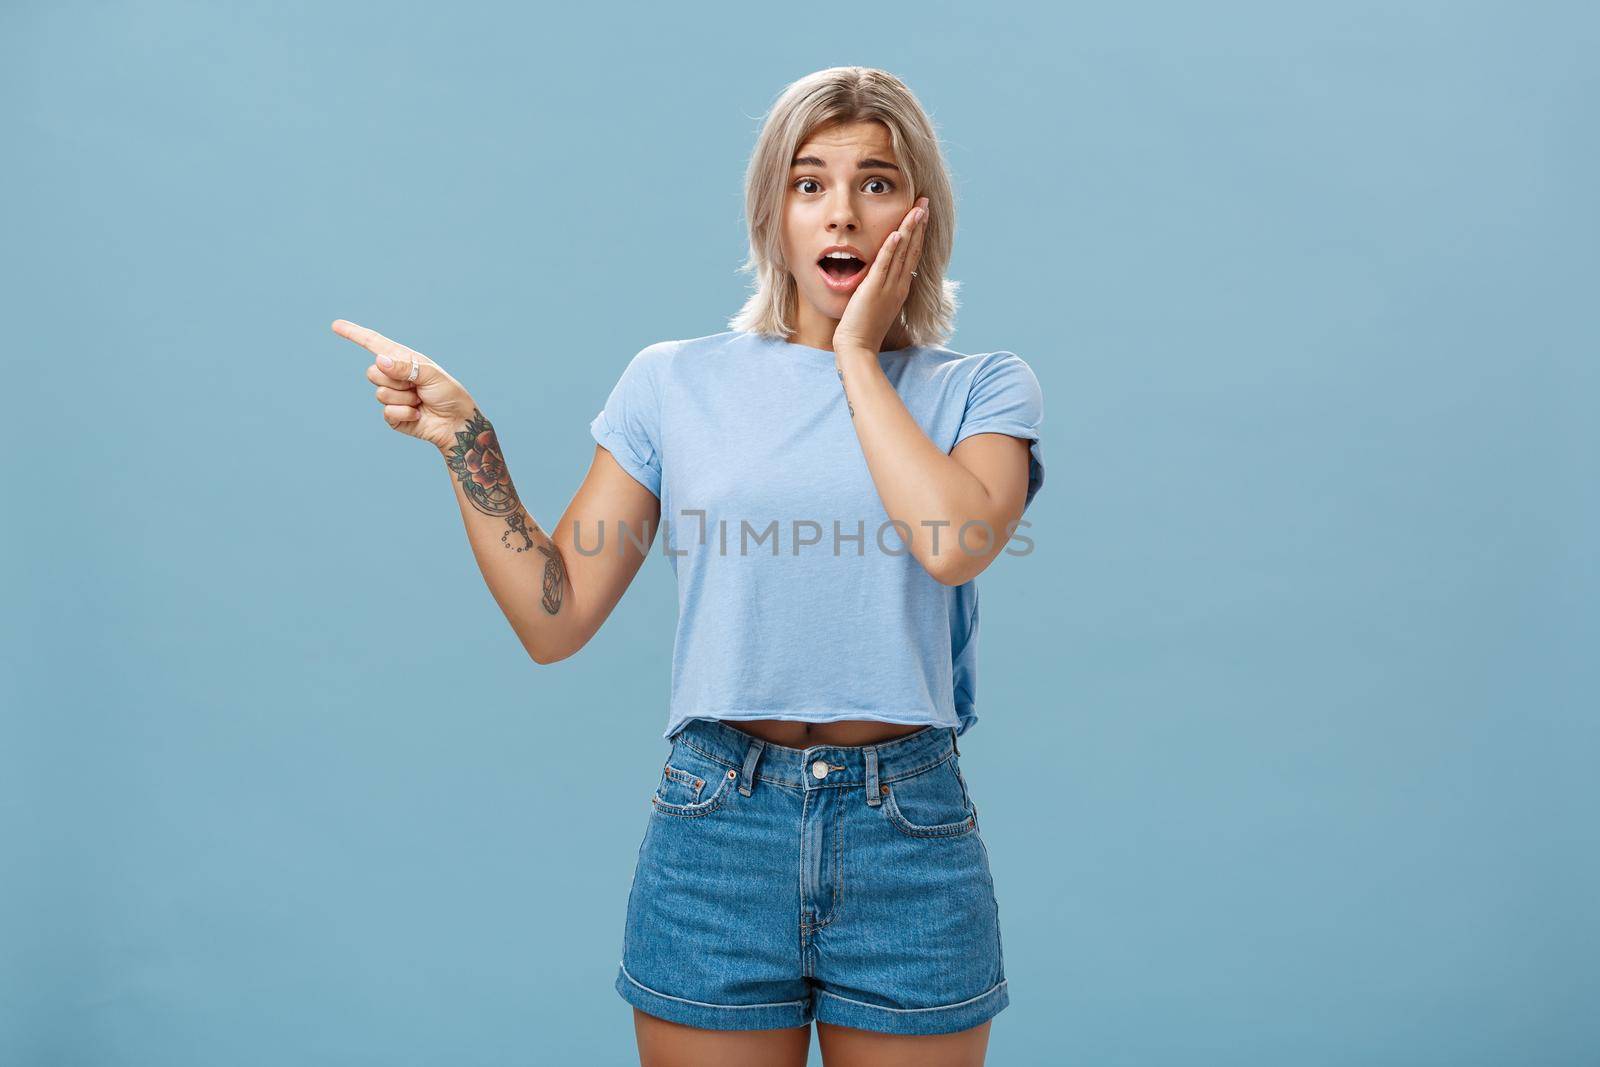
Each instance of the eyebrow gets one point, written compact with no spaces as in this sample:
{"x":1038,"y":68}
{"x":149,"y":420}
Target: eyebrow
{"x":865,"y":164}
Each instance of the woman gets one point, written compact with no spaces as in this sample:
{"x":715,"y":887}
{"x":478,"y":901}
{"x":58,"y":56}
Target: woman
{"x":813,"y":851}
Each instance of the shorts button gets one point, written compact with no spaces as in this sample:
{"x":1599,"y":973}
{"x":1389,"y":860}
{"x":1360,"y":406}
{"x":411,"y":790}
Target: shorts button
{"x":819,"y":769}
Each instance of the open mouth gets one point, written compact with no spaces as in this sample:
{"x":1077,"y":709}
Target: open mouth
{"x":841,"y":274}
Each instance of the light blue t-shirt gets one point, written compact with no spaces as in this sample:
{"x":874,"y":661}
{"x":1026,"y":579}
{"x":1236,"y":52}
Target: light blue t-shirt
{"x":797,"y":598}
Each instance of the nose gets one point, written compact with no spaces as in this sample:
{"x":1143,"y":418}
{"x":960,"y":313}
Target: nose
{"x":842,"y":213}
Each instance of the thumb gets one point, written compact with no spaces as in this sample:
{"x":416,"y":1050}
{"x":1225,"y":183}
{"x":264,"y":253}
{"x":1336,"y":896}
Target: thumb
{"x":409,"y":366}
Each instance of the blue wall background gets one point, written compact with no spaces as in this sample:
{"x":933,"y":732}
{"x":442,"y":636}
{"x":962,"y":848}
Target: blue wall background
{"x":1288,"y":736}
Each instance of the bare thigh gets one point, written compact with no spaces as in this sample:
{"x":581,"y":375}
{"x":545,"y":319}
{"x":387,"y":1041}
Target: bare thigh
{"x":845,"y":1046}
{"x":663,"y":1043}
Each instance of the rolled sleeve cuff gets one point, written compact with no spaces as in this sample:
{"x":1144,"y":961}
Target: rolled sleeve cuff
{"x":627,"y":457}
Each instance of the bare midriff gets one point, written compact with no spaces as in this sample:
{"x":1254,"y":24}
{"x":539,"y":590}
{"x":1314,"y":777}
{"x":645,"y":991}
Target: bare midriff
{"x":806,"y":734}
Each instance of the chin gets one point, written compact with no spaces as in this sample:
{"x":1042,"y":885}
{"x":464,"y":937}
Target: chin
{"x":831,"y":305}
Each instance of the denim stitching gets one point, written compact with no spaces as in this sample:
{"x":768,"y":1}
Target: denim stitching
{"x":686,"y":743}
{"x":708,"y":1004}
{"x":988,"y":871}
{"x":999,"y":942}
{"x":936,"y":1007}
{"x":838,"y":870}
{"x":633,"y":887}
{"x":686,"y":778}
{"x":960,"y":828}
{"x":759,"y":777}
{"x":966,"y":796}
{"x":948,"y":756}
{"x":698,"y":808}
{"x":800,"y":870}
{"x":838,"y":857}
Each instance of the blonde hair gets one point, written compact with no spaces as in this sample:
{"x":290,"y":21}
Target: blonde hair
{"x":816,"y":101}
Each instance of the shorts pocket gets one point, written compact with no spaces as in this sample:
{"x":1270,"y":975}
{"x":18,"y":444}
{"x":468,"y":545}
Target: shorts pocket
{"x":692,"y":784}
{"x":930,"y":803}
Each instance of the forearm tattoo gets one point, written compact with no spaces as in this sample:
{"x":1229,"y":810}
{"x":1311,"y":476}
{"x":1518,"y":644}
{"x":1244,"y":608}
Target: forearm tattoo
{"x":480,"y":467}
{"x":840,"y":372}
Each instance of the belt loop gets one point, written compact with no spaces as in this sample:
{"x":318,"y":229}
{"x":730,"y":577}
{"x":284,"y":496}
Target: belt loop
{"x":953,"y":741}
{"x":873,"y":799}
{"x":752,"y":754}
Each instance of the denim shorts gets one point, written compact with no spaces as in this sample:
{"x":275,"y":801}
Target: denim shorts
{"x":847,"y":884}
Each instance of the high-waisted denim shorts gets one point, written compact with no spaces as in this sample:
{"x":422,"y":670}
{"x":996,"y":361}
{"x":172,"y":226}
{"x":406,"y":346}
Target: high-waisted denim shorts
{"x":847,"y":884}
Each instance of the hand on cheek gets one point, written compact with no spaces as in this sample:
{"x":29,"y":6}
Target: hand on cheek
{"x":875,"y":305}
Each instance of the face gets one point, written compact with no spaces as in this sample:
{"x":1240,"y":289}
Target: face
{"x":845,"y":189}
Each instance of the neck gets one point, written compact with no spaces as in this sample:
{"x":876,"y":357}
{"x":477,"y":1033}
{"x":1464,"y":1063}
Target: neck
{"x":819,"y":334}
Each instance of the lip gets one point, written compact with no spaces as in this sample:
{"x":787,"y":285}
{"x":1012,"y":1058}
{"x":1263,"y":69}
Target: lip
{"x":849,"y":284}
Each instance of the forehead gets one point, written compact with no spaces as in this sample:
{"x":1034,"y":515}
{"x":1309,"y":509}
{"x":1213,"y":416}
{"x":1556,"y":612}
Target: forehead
{"x":848,"y":140}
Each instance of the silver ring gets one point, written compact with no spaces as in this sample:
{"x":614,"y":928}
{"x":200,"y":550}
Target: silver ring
{"x":913,"y":274}
{"x":415,"y":363}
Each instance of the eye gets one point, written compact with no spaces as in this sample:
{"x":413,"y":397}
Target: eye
{"x":887,"y":186}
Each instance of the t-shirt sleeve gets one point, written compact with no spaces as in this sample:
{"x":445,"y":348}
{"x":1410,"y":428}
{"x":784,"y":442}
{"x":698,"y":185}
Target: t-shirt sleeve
{"x":629,"y":426}
{"x":1005,"y":398}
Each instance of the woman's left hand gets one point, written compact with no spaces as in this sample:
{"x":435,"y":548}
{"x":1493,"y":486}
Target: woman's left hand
{"x":875,"y":305}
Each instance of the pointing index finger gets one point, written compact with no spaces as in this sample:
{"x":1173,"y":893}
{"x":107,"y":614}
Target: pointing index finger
{"x":375,"y":342}
{"x":371,"y":340}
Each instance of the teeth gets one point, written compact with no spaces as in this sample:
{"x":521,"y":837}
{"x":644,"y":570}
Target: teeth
{"x":838,"y":255}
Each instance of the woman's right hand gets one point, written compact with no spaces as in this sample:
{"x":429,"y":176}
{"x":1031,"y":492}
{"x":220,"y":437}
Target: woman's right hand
{"x":433,"y":407}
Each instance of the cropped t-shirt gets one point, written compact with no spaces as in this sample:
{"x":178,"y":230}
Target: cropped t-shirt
{"x":797,"y":598}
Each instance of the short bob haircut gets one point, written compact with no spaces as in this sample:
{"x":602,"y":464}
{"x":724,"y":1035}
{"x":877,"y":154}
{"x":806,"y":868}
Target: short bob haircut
{"x":805,"y":107}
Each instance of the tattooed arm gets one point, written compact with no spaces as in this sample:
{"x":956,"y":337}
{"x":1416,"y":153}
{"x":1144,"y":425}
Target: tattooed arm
{"x":522,"y":564}
{"x":554,"y":595}
{"x":529,"y":571}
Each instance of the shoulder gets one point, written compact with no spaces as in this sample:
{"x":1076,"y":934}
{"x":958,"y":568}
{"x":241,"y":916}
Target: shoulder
{"x":969,"y":371}
{"x":1002,"y":361}
{"x":661,"y":356}
{"x":1003,"y":372}
{"x":998,"y":389}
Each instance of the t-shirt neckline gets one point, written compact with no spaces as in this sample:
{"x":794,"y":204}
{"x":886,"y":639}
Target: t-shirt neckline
{"x":825,"y":356}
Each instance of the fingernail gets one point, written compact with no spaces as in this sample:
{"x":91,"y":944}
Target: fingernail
{"x":385,"y":362}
